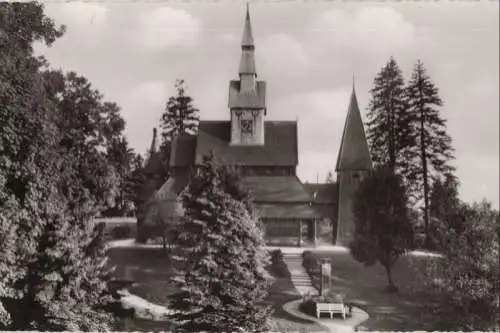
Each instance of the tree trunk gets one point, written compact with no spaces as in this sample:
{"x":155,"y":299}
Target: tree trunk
{"x":391,"y":287}
{"x":425,"y":176}
{"x":164,"y":241}
{"x":392,"y":139}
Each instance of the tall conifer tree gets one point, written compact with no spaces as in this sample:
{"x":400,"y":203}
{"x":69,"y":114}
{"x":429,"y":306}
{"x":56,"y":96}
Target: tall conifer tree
{"x":389,"y":127}
{"x":223,"y":280}
{"x":432,"y":151}
{"x":180,"y":117}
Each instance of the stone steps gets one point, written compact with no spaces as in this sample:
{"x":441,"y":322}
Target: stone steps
{"x":300,"y":279}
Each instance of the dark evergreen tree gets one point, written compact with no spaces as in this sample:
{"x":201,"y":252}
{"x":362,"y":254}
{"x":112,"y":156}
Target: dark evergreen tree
{"x":445,"y":209}
{"x":223,"y":280}
{"x":180,"y":117}
{"x":135,"y":181}
{"x":389,"y":126}
{"x":433,"y":150}
{"x":383,"y":231}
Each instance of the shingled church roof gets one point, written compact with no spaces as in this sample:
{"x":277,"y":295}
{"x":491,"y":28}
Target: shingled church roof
{"x":276,"y":189}
{"x":153,"y":164}
{"x":279,"y":149}
{"x":323,"y":193}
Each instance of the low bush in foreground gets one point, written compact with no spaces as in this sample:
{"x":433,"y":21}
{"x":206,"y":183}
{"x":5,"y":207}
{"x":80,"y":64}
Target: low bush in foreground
{"x":278,"y":267}
{"x":311,"y":263}
{"x":308,"y":307}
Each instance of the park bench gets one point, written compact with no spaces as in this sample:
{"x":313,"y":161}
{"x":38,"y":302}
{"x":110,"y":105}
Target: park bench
{"x":331,"y":308}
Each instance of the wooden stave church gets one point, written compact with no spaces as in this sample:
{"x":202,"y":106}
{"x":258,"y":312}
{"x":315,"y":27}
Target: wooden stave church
{"x":266,"y":155}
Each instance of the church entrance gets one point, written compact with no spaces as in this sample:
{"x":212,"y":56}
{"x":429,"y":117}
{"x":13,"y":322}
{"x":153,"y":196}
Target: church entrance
{"x":290,"y":232}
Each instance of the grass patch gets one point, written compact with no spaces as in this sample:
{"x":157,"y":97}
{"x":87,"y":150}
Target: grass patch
{"x":364,"y":287}
{"x":151,"y":270}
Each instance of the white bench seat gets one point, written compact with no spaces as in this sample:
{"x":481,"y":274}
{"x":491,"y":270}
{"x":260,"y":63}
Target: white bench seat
{"x":331,"y":308}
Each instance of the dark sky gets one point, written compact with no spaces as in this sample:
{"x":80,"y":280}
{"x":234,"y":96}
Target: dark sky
{"x":307,"y":52}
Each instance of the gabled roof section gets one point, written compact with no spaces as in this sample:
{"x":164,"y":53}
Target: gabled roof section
{"x":285,"y":211}
{"x":279,"y":148}
{"x":276,"y":189}
{"x":246,"y":100}
{"x":353,"y":151}
{"x":153,"y":164}
{"x":326,"y":193}
{"x":183,"y":151}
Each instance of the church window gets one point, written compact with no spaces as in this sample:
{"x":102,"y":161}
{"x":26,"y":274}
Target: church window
{"x":246,"y":126}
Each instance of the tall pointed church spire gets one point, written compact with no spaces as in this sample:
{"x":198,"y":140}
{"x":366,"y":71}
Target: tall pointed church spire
{"x":153,"y":147}
{"x":353,"y":153}
{"x":247,"y":40}
{"x":247,"y":62}
{"x":247,"y":96}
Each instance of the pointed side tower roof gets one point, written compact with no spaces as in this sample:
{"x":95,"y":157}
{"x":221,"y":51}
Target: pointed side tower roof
{"x":153,"y":164}
{"x":247,"y":62}
{"x":153,"y":147}
{"x":353,"y":153}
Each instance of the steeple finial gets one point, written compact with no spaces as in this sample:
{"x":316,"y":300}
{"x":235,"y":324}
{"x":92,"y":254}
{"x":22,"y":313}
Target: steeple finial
{"x":247,"y":40}
{"x":247,"y":62}
{"x":353,"y":83}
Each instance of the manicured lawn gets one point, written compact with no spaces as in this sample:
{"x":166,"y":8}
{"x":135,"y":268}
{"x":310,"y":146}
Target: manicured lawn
{"x":364,"y":286}
{"x":151,"y":270}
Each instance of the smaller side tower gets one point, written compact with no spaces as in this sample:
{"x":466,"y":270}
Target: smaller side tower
{"x":353,"y":164}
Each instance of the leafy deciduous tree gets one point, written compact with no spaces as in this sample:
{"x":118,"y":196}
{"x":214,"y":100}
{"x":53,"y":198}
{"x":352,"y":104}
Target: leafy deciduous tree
{"x":468,"y":273}
{"x":51,"y":262}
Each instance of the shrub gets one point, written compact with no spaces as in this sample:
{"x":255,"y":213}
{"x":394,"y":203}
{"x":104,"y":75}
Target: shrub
{"x":278,"y":266}
{"x":310,"y":261}
{"x":308,"y":307}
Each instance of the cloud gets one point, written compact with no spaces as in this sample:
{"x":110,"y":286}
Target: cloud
{"x":314,"y":106}
{"x":144,"y":106}
{"x":283,"y":54}
{"x":227,"y":37}
{"x":481,"y":181}
{"x":368,"y":32}
{"x":84,"y":21}
{"x":165,"y":27}
{"x":321,"y":117}
{"x":314,"y":165}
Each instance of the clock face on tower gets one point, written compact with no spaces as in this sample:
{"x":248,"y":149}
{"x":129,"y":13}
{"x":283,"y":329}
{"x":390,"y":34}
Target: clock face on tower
{"x":246,"y":126}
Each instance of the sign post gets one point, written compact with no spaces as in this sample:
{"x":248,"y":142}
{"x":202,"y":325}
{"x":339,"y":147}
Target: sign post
{"x":326,"y":277}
